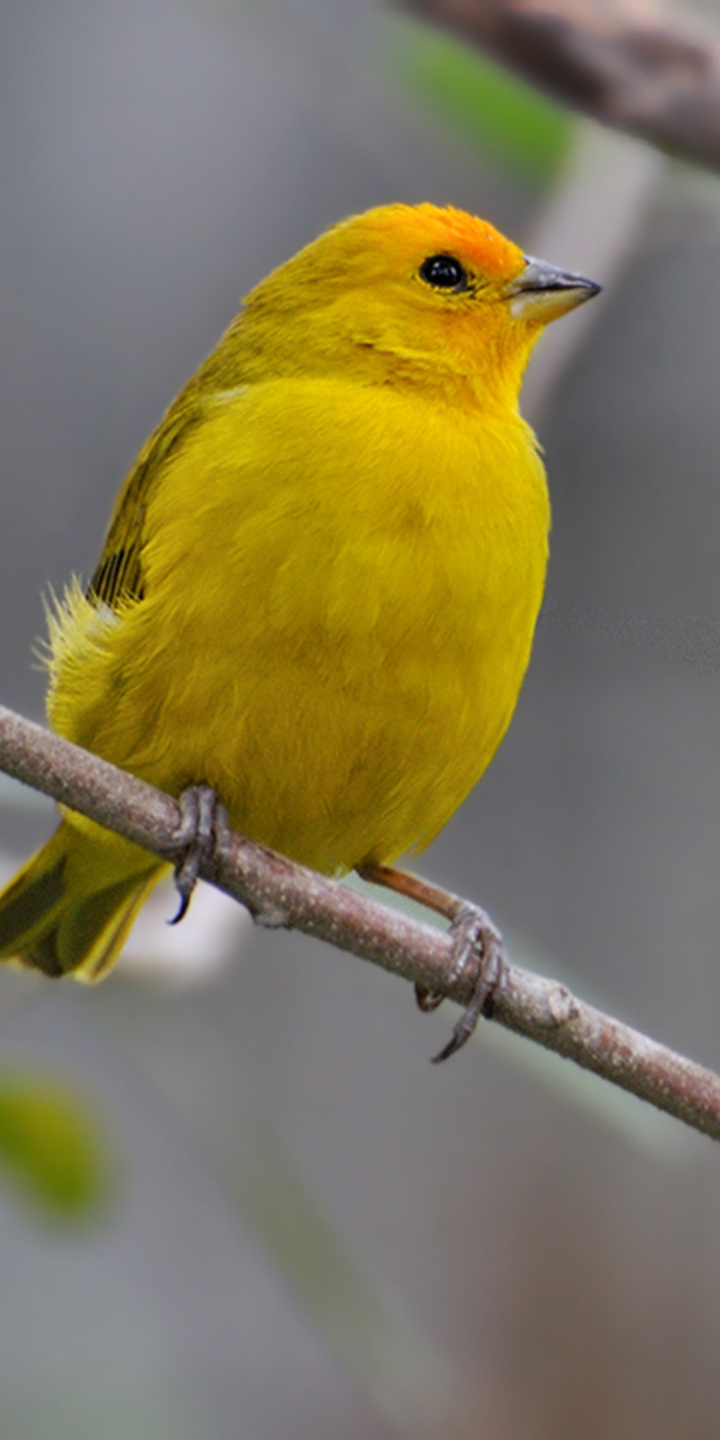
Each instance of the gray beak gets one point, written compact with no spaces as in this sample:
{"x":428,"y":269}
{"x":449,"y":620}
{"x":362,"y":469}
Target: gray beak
{"x":542,"y":292}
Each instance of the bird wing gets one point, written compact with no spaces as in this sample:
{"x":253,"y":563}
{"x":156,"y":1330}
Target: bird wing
{"x":118,"y":576}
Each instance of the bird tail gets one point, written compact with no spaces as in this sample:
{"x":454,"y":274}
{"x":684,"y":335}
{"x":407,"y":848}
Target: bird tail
{"x":70,"y":908}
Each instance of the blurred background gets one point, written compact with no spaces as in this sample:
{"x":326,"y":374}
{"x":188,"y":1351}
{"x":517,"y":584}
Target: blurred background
{"x":235,"y":1198}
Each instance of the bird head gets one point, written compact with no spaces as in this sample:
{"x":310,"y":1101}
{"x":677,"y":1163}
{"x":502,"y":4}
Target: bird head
{"x":414,"y":295}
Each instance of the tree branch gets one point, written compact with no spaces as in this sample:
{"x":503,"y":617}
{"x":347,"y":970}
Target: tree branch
{"x":623,"y":62}
{"x":279,"y":892}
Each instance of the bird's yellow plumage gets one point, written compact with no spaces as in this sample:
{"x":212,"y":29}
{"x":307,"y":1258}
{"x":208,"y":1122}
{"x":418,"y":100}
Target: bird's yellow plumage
{"x":321,"y":578}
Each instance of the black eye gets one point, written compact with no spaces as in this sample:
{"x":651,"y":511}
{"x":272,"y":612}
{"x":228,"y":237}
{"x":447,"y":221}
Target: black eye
{"x":444,"y":272}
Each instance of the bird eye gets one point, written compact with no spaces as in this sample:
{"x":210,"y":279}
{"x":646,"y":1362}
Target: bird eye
{"x":444,"y":272}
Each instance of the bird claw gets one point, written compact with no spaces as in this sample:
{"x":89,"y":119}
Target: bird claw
{"x":476,"y":941}
{"x":203,"y":822}
{"x":427,"y":1000}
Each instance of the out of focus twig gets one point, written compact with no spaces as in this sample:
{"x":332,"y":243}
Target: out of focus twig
{"x":624,"y":62}
{"x":278,"y":892}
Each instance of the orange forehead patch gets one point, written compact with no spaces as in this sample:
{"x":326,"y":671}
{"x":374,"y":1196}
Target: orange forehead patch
{"x":390,"y":243}
{"x":436,"y":229}
{"x":482,"y":243}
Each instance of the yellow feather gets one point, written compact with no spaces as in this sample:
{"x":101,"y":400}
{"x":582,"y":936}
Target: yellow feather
{"x":321,"y":579}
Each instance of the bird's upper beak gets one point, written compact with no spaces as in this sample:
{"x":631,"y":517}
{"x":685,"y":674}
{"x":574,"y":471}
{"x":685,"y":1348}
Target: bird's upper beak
{"x":542,"y":292}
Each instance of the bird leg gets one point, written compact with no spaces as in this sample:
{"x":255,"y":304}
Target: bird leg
{"x":475,"y":940}
{"x":204,"y":821}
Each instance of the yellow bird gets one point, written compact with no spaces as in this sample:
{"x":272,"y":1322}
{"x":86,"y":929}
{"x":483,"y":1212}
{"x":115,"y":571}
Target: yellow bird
{"x":321,"y":578}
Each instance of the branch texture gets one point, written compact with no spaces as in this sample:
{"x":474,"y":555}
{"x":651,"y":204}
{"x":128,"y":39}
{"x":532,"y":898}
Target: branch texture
{"x":623,"y":62}
{"x":278,"y":892}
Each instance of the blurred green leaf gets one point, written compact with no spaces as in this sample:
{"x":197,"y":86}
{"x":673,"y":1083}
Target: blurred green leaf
{"x":50,"y":1148}
{"x":490,"y":108}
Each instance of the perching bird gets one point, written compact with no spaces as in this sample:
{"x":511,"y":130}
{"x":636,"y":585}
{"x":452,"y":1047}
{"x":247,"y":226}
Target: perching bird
{"x":321,"y":578}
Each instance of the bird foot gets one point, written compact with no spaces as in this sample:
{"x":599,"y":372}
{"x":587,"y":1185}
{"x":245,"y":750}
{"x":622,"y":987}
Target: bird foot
{"x":478,"y":943}
{"x":203,"y":824}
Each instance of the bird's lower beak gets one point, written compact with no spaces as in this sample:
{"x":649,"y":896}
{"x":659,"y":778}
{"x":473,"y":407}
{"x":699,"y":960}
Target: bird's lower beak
{"x":542,"y":292}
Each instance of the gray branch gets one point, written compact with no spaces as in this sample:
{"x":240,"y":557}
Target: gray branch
{"x":278,"y":892}
{"x":624,"y":62}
